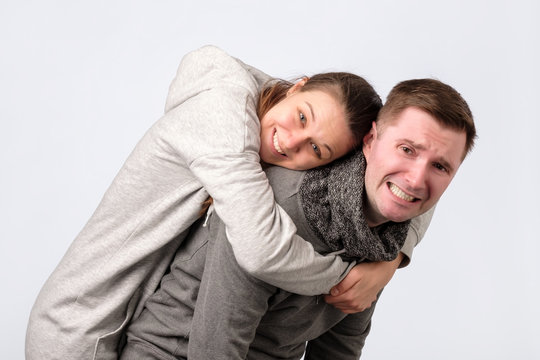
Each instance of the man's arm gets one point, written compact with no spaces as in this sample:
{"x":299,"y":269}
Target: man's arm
{"x":230,"y":303}
{"x":344,"y":341}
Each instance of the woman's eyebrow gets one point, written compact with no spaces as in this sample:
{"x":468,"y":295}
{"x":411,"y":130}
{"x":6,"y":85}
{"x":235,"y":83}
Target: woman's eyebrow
{"x":314,"y":120}
{"x":311,"y":111}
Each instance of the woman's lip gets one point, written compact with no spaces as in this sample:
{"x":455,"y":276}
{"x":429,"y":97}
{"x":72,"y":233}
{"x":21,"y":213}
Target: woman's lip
{"x":272,"y":146}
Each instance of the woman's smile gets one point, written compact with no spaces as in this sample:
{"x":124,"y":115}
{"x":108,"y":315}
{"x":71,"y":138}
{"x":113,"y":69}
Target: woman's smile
{"x":305,"y":130}
{"x":276,"y":144}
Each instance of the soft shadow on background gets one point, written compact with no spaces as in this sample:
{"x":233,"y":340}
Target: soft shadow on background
{"x":81,"y":82}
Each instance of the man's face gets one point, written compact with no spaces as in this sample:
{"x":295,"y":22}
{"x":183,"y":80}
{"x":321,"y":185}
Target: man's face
{"x":410,"y":163}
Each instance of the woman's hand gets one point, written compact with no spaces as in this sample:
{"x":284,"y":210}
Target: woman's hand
{"x":359,"y":289}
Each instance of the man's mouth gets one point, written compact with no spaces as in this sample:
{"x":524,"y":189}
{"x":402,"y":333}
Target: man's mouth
{"x":400,"y":193}
{"x":276,"y":145}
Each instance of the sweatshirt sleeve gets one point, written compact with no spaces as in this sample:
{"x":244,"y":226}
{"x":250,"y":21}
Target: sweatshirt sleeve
{"x":262,"y":235}
{"x":417,"y":230}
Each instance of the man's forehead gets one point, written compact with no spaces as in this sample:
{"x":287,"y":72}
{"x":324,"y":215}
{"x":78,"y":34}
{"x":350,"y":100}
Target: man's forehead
{"x":393,"y":115}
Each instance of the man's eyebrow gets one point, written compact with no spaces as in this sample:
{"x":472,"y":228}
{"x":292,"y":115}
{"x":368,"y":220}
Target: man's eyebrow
{"x":314,"y":120}
{"x":440,"y":160}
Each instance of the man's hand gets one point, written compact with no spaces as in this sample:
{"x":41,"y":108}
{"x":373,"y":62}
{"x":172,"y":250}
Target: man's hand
{"x":359,"y":289}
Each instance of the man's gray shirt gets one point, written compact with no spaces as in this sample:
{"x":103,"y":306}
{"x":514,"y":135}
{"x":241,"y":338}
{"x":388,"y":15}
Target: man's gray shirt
{"x":256,"y":320}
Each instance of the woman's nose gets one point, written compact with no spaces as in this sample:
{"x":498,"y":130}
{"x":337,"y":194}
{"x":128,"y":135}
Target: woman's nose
{"x":294,"y":141}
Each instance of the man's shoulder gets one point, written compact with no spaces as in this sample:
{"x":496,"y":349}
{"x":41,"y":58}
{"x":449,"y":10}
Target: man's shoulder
{"x":284,"y":182}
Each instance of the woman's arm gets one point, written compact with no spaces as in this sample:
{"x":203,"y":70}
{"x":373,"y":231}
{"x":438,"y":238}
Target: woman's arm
{"x":213,"y":127}
{"x":261,"y":233}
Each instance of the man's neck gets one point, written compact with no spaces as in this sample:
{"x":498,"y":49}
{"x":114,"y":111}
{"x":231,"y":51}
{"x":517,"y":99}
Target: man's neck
{"x":373,"y":218}
{"x":372,"y":223}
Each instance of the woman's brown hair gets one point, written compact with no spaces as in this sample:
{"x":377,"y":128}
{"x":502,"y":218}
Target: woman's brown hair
{"x":359,"y":99}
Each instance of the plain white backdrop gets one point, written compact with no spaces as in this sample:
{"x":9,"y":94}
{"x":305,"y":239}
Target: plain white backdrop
{"x":80,"y":82}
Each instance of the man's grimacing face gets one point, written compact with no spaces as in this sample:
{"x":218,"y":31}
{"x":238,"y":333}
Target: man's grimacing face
{"x":410,"y":163}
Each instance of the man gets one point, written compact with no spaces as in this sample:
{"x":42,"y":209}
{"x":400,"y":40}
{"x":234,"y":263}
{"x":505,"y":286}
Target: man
{"x":412,"y":152}
{"x":449,"y":110}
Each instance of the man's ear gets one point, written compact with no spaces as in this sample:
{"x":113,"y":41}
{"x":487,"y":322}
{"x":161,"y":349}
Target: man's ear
{"x":367,"y":142}
{"x":299,"y":84}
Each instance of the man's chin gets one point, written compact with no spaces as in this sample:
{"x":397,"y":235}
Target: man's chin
{"x":401,"y":216}
{"x":391,"y":211}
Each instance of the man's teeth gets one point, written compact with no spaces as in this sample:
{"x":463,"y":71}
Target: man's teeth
{"x":399,"y":193}
{"x":276,"y":145}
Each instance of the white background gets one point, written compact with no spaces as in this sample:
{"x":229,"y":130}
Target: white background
{"x":80,"y":82}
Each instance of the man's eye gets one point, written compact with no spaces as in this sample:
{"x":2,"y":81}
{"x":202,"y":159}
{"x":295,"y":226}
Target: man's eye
{"x":302,"y":118}
{"x":406,"y":150}
{"x":440,"y":167}
{"x":316,"y":149}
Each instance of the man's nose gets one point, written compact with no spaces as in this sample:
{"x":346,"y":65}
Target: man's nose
{"x":417,"y":176}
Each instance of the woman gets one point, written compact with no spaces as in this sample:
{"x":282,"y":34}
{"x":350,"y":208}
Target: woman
{"x":207,"y":143}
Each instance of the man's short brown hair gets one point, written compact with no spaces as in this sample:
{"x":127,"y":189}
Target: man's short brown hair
{"x":438,"y":99}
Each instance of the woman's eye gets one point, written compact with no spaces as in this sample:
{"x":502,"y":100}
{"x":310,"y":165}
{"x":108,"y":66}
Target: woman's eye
{"x":302,"y":118}
{"x":316,"y":149}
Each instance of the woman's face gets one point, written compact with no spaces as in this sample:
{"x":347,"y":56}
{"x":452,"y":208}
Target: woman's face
{"x":305,"y":130}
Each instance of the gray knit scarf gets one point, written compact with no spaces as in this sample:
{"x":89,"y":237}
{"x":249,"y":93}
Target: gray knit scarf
{"x":332,"y":198}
